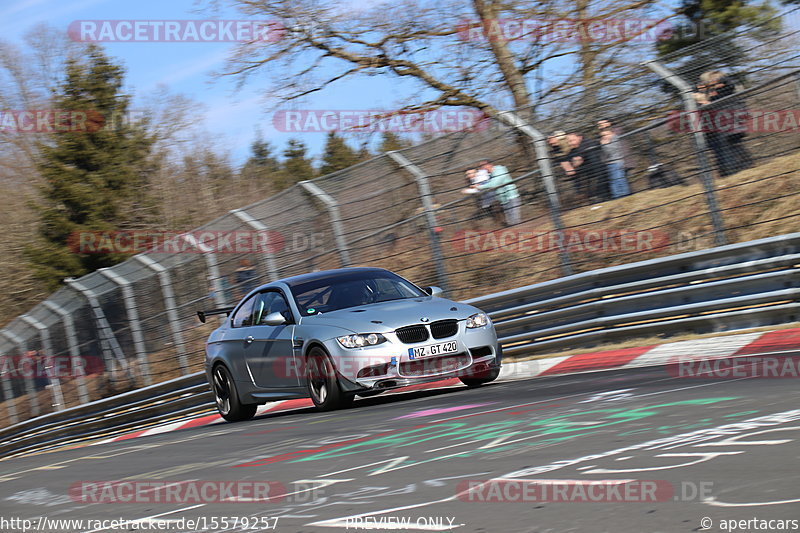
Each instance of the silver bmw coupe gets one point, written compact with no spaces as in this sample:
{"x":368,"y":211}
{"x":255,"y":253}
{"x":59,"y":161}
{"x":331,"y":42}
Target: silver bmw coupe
{"x":336,"y":334}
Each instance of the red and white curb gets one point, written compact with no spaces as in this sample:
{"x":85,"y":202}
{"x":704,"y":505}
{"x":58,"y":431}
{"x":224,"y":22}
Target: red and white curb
{"x":655,"y":355}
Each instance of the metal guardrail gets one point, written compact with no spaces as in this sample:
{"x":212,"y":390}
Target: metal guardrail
{"x":737,"y":286}
{"x":750,"y":284}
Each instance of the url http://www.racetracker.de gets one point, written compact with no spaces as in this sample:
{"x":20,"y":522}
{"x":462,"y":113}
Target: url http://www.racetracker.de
{"x":200,"y":523}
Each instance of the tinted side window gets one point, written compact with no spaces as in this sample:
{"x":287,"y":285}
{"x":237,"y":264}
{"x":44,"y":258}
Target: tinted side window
{"x":243,"y":316}
{"x":271,"y":302}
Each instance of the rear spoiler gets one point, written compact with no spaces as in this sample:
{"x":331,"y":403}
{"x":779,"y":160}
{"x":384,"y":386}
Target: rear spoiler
{"x":219,"y":311}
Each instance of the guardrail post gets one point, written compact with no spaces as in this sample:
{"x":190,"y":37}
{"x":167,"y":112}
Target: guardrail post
{"x":112,"y":352}
{"x":171,"y":309}
{"x":430,"y":217}
{"x":543,"y":160}
{"x":269,"y":258}
{"x":336,"y":221}
{"x":133,"y":320}
{"x":701,"y":147}
{"x":72,"y":343}
{"x":55,"y":380}
{"x":30,"y":388}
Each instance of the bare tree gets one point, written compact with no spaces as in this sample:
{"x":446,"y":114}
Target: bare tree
{"x":437,"y":46}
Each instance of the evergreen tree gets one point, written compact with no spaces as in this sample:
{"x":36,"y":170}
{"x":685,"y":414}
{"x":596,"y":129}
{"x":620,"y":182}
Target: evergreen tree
{"x":295,"y":166}
{"x":261,"y":167}
{"x":262,"y":156}
{"x":363,"y":153}
{"x":93,"y":170}
{"x":391,"y":141}
{"x":712,"y":19}
{"x":337,"y":155}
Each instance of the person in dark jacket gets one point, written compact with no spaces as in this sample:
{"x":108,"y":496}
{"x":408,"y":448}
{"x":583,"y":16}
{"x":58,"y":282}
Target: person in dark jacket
{"x":588,"y":168}
{"x":725,"y":141}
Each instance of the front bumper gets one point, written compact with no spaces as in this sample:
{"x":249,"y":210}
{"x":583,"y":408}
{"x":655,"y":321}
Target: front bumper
{"x":389,"y":365}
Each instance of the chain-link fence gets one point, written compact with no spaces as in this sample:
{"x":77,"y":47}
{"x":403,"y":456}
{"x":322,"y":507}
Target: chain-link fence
{"x":667,"y":174}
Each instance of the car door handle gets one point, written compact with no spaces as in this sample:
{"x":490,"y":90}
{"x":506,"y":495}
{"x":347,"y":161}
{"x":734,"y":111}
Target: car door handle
{"x":249,"y":339}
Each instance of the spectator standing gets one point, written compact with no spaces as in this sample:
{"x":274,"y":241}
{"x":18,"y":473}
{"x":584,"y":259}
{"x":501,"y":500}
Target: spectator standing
{"x":560,"y":149}
{"x":614,"y":155}
{"x":730,"y":153}
{"x":245,"y":277}
{"x":588,"y":168}
{"x":506,"y":192}
{"x":484,"y":200}
{"x":41,"y":369}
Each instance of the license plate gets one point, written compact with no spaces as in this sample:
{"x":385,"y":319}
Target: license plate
{"x":433,"y":349}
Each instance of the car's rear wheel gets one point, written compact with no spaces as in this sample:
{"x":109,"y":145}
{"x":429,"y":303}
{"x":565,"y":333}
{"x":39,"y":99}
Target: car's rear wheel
{"x":227,"y":397}
{"x":323,"y":386}
{"x":482,"y":378}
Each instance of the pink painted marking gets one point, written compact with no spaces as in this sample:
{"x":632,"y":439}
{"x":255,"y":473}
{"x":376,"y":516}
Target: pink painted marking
{"x":429,"y":412}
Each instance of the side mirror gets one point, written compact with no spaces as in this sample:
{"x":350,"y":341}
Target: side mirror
{"x":433,"y":291}
{"x":273,"y":319}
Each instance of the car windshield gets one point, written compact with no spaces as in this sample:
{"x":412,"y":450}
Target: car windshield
{"x":350,"y":289}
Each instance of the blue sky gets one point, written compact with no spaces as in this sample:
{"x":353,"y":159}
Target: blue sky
{"x":232,"y":116}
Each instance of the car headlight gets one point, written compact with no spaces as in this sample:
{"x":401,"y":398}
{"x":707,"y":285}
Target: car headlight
{"x":361,"y":340}
{"x":478,"y":320}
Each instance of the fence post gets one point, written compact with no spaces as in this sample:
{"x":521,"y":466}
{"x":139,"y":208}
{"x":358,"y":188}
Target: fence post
{"x":269,"y":258}
{"x":701,"y":147}
{"x":112,"y":352}
{"x":212,"y":266}
{"x":72,"y":342}
{"x":336,"y":221}
{"x":55,"y":381}
{"x":171,"y":309}
{"x":133,"y":320}
{"x":30,"y":388}
{"x":543,"y":160}
{"x":8,"y":395}
{"x":797,"y":83}
{"x":430,"y":217}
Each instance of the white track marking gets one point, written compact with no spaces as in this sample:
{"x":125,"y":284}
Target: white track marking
{"x":698,"y":349}
{"x":713,"y":502}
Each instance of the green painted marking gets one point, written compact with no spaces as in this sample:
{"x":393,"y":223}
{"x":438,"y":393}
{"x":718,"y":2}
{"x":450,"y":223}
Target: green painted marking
{"x":742,"y":413}
{"x":552,"y":429}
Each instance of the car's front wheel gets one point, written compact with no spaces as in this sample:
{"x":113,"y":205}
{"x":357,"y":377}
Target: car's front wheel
{"x":323,"y":386}
{"x":227,"y":397}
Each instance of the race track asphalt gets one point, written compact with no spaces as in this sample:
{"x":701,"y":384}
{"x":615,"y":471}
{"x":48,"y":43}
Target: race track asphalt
{"x":665,"y":453}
